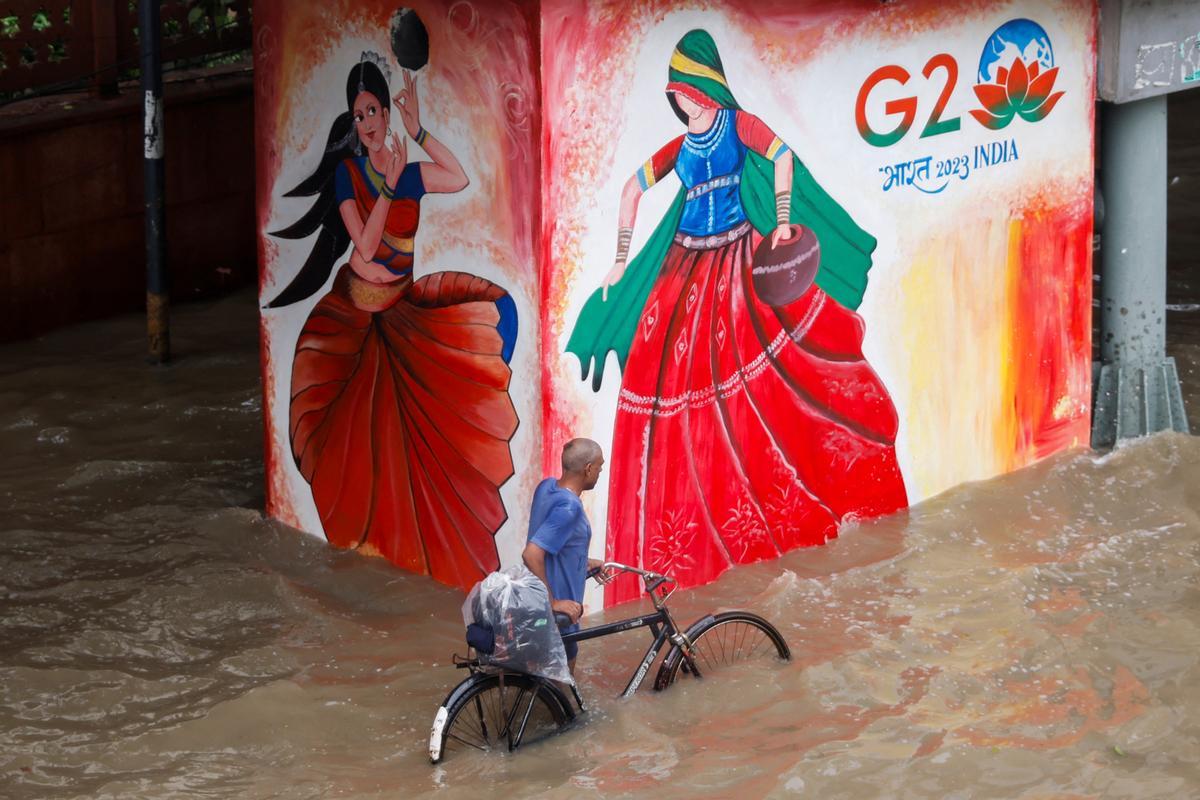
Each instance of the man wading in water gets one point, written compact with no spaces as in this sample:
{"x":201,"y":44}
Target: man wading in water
{"x":559,"y":533}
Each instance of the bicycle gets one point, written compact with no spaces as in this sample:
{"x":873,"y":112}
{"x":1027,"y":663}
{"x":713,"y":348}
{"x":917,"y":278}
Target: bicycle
{"x":494,"y":706}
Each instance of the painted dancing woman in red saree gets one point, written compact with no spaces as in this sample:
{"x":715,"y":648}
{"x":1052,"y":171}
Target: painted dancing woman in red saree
{"x":400,"y":415}
{"x":743,"y":429}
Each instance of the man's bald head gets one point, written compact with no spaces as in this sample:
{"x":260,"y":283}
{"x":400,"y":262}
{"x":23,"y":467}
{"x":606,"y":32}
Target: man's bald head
{"x":578,"y":453}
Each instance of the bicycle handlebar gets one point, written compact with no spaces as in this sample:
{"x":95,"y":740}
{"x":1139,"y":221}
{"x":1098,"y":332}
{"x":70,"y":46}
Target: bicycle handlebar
{"x":653,"y":580}
{"x":647,"y":575}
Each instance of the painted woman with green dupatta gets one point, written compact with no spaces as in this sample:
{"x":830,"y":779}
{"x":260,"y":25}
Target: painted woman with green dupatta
{"x":743,"y":429}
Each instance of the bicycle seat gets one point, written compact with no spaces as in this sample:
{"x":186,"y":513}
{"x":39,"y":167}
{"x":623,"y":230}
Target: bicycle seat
{"x":561,"y":620}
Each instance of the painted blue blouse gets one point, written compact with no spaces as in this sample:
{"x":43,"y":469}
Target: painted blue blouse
{"x":710,"y":166}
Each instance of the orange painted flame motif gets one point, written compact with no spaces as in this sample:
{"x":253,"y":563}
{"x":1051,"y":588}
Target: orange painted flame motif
{"x":1021,"y":90}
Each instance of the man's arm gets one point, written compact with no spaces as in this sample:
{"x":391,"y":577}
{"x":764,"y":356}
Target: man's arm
{"x":535,"y":558}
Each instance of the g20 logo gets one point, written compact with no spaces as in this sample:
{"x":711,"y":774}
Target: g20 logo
{"x":1015,"y":78}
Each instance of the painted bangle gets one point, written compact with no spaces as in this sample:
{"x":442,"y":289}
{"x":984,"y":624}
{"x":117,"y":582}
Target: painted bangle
{"x":783,"y":207}
{"x":624,"y":237}
{"x":388,"y":191}
{"x":422,"y":136}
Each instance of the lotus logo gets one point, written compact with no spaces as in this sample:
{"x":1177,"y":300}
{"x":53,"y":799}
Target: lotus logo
{"x":1024,"y":88}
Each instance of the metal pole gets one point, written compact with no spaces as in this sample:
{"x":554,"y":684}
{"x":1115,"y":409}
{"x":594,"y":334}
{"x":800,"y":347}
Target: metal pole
{"x":157,"y":307}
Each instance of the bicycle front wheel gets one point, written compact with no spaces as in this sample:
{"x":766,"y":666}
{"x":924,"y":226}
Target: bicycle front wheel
{"x":722,"y":641}
{"x":497,"y":712}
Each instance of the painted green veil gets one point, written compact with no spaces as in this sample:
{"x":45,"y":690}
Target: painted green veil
{"x":845,"y":247}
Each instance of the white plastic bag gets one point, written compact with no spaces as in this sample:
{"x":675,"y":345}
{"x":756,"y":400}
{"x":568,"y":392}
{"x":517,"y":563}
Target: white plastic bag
{"x":515,"y":605}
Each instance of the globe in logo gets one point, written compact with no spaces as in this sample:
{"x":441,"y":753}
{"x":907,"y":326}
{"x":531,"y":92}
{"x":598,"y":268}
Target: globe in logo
{"x":1017,"y":38}
{"x":1016,"y":75}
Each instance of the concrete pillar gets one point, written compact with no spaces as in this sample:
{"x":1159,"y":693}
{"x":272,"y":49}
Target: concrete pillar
{"x":1137,"y":388}
{"x":1133,"y":282}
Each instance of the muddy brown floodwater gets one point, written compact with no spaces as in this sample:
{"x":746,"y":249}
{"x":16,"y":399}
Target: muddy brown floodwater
{"x":1034,"y":636}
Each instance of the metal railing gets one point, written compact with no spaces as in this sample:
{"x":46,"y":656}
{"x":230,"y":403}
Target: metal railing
{"x":57,"y":45}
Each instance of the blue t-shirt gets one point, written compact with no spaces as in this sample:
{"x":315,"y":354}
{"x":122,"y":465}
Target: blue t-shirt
{"x":558,"y":525}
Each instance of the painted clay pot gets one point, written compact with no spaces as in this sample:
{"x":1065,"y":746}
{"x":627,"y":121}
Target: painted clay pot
{"x":781,"y":275}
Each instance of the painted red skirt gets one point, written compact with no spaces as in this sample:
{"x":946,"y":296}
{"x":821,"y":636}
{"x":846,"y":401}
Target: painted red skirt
{"x":743,"y":430}
{"x":401,"y":421}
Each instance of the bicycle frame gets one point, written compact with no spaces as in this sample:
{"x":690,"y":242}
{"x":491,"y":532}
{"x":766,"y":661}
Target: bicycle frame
{"x":661,"y":623}
{"x":661,"y":627}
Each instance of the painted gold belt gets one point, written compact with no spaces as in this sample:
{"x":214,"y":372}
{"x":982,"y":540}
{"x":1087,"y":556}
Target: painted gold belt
{"x":370,"y":296}
{"x":715,"y":240}
{"x":398,"y":244}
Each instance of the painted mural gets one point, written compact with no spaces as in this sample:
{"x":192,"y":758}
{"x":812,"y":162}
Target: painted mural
{"x":745,"y":427}
{"x":394,"y":413}
{"x":866,"y":278}
{"x":793,"y":264}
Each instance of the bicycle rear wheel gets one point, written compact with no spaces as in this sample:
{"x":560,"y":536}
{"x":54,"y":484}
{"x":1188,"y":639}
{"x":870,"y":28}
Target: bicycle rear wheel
{"x":725,"y":640}
{"x":497,"y":711}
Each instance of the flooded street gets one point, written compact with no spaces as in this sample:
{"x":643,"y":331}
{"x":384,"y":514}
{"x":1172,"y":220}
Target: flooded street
{"x":1035,"y":636}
